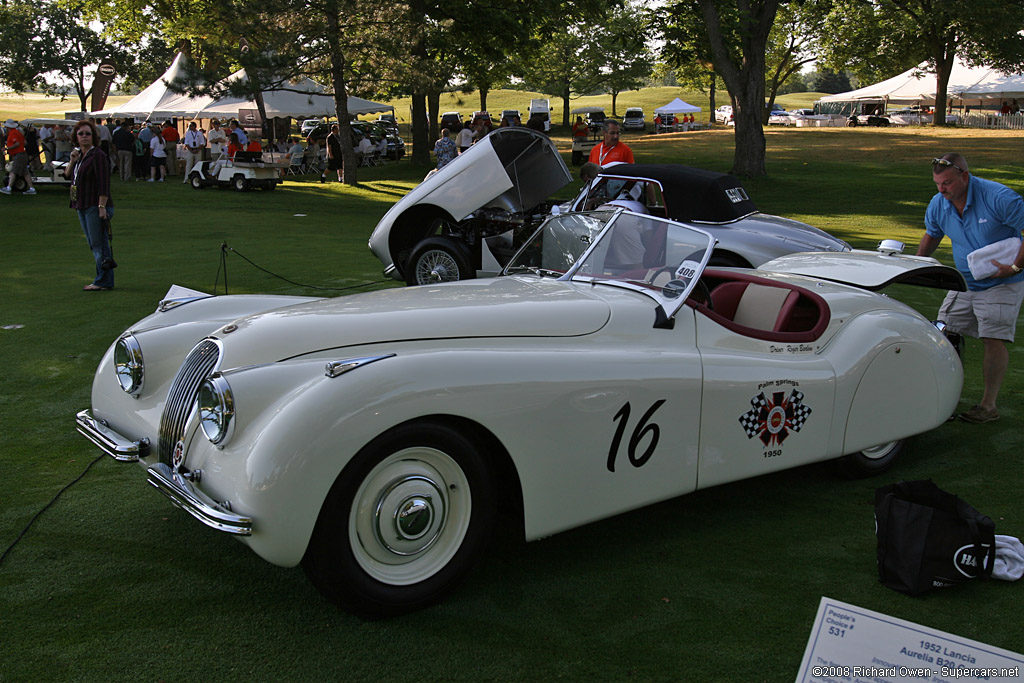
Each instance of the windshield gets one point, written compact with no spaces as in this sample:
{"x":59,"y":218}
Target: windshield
{"x":654,"y":255}
{"x":641,"y":195}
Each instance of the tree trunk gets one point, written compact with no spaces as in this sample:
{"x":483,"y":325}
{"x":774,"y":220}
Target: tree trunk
{"x":711,"y":95}
{"x":483,"y":97}
{"x":565,"y":106}
{"x":615,"y":96}
{"x":420,"y":146}
{"x":944,"y":59}
{"x":434,"y":112}
{"x":349,"y":174}
{"x":746,"y":80}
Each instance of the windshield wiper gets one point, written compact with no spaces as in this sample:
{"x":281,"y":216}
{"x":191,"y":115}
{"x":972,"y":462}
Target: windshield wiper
{"x":534,"y":270}
{"x":512,"y":270}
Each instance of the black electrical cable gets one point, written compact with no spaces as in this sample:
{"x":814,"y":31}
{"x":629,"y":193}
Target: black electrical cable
{"x":224,"y":248}
{"x":47,"y":506}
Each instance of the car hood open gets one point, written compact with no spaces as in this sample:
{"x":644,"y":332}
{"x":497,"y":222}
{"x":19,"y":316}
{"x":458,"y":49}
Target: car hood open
{"x":514,"y":169}
{"x":871,"y":270}
{"x":501,"y":307}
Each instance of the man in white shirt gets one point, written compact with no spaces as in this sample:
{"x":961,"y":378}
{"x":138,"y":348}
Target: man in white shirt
{"x":364,"y":151}
{"x":218,"y":139}
{"x":464,"y":139}
{"x":195,"y":142}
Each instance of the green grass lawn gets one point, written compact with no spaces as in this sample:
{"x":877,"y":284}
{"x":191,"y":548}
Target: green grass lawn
{"x":112,"y":583}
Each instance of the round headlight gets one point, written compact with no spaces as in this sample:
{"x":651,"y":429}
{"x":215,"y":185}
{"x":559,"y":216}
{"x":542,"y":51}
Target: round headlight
{"x":128,"y":364}
{"x":216,"y":409}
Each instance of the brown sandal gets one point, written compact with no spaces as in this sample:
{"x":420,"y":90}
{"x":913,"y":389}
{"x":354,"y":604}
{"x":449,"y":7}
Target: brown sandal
{"x":95,"y":288}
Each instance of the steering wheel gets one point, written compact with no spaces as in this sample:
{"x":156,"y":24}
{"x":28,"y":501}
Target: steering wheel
{"x":705,"y":293}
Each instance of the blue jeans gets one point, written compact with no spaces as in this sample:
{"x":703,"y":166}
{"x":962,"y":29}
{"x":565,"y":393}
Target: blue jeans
{"x":96,"y":236}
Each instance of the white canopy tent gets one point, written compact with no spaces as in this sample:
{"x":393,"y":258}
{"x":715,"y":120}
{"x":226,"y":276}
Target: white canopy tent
{"x":967,"y":86}
{"x":677,"y":106}
{"x":155,"y":101}
{"x":304,"y":98}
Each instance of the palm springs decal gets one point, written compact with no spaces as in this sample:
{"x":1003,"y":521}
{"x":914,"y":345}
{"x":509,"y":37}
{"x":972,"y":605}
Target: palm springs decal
{"x":772,"y":419}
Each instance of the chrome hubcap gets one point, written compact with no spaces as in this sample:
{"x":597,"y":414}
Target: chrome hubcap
{"x":410,"y":516}
{"x":436,"y":266}
{"x":878,"y":452}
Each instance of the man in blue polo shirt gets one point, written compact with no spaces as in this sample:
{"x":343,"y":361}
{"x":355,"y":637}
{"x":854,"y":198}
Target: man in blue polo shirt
{"x":976,"y":213}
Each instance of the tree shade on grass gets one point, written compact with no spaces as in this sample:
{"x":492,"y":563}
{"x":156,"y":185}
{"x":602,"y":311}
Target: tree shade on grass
{"x":112,"y":583}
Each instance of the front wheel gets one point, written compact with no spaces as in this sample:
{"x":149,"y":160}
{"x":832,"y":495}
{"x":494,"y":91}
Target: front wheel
{"x":403,"y":523}
{"x":19,"y":184}
{"x":438,"y":259}
{"x":196,"y":181}
{"x":871,"y":460}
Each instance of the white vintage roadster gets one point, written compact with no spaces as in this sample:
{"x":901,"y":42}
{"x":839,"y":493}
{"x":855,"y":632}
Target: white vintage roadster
{"x":373,"y":437}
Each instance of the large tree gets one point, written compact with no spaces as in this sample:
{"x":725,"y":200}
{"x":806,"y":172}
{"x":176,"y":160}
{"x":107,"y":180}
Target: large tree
{"x":623,"y":41}
{"x":738,"y":34}
{"x":567,"y":65}
{"x":979,"y":32}
{"x":48,"y":47}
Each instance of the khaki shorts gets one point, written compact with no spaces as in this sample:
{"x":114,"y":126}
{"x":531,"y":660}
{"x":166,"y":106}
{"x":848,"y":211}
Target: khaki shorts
{"x":989,"y":314}
{"x":19,"y":162}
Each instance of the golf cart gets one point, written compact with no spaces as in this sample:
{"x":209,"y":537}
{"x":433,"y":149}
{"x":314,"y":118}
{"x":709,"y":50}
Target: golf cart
{"x":48,"y":175}
{"x":247,"y":170}
{"x":595,"y":123}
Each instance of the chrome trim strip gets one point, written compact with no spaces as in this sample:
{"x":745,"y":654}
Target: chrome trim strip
{"x":193,"y":501}
{"x":118,"y":447}
{"x":336,"y":368}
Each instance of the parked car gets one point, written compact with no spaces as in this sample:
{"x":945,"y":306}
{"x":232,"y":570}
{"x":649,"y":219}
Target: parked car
{"x":309,"y":124}
{"x":434,"y":234}
{"x":512,"y":117}
{"x":779,"y":118}
{"x":452,"y":120}
{"x":245,"y":172}
{"x":374,"y":438}
{"x":388,"y":123}
{"x":724,"y":116}
{"x":540,"y":113}
{"x":483,"y":117}
{"x":633,"y":119}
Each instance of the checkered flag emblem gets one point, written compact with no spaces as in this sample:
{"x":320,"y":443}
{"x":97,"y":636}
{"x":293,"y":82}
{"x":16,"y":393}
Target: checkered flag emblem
{"x":772,"y":419}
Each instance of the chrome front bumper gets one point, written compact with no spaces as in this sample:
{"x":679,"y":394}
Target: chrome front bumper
{"x":110,"y":442}
{"x":193,"y":501}
{"x":168,"y":482}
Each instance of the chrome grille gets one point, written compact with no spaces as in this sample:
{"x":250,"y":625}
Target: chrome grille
{"x":181,"y":399}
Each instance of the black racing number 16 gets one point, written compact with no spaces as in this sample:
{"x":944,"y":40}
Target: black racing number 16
{"x":641,"y":430}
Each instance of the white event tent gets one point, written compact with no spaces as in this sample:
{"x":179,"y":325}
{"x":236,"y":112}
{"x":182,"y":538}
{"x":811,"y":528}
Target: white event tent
{"x":677,"y":106}
{"x":968,"y":86}
{"x":304,"y":98}
{"x":154,"y":100}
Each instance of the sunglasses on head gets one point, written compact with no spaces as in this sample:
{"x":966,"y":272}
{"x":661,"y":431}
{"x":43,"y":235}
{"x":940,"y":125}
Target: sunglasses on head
{"x":946,"y":163}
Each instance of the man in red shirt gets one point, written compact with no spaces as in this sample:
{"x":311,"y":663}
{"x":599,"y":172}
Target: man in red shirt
{"x":14,"y":143}
{"x":610,"y":149}
{"x":171,"y":137}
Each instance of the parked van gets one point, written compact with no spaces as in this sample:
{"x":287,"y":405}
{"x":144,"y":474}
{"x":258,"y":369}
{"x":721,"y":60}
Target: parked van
{"x":541,"y":109}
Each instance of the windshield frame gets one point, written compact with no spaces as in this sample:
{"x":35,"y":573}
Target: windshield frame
{"x":669,"y":299}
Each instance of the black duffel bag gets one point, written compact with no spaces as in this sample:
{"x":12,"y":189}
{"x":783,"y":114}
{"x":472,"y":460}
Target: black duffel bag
{"x":928,"y":538}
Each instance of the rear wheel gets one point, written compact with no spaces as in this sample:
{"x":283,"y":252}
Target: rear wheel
{"x":403,"y":523}
{"x":19,"y":184}
{"x":438,"y":259}
{"x":871,"y":460}
{"x":240,"y":183}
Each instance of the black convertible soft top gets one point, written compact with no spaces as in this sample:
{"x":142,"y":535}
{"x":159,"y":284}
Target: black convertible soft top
{"x":693,"y":194}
